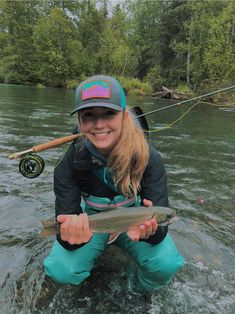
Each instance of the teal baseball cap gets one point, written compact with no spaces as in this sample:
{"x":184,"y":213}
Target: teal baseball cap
{"x":100,"y":91}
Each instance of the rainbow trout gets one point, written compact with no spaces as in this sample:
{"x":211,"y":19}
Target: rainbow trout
{"x":119,"y":219}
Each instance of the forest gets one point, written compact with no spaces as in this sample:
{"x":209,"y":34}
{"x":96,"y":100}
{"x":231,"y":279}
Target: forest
{"x":148,"y":43}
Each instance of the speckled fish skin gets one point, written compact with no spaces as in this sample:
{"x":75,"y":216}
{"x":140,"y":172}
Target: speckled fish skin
{"x":120,"y":219}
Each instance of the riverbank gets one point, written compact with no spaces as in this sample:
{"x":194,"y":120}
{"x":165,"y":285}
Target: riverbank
{"x":134,"y":86}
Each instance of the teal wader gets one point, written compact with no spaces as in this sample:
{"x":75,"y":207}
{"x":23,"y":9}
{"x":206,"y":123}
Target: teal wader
{"x":156,"y":263}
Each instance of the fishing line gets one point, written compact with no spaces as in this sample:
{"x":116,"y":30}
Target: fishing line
{"x":174,"y":122}
{"x":184,"y":114}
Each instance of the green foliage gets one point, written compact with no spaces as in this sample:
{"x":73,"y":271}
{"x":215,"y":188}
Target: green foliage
{"x":134,"y":86}
{"x":55,"y":48}
{"x":154,"y":78}
{"x":184,"y":89}
{"x":17,"y":19}
{"x":72,"y":84}
{"x":220,"y":52}
{"x":173,"y":42}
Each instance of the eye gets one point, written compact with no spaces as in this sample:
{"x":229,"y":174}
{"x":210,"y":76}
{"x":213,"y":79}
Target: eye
{"x":110,"y":113}
{"x":87,"y":114}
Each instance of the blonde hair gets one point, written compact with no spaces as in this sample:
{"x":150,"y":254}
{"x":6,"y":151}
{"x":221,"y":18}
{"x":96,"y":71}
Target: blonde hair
{"x":129,"y":157}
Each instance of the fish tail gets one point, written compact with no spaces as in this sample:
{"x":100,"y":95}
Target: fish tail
{"x":48,"y":232}
{"x":50,"y":228}
{"x":49,"y":224}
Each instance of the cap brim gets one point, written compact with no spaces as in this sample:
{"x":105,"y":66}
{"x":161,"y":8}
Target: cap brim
{"x":98,"y":104}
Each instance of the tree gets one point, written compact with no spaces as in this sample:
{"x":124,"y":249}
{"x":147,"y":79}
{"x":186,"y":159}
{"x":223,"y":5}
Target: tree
{"x":17,"y":61}
{"x":115,"y":55}
{"x":144,"y":33}
{"x":204,"y":32}
{"x":90,"y":26}
{"x":167,"y":41}
{"x":57,"y":48}
{"x":220,"y":51}
{"x":157,"y":25}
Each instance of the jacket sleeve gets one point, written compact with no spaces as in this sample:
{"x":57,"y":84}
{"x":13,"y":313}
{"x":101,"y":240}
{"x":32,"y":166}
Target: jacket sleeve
{"x":154,"y":188}
{"x":67,"y":192}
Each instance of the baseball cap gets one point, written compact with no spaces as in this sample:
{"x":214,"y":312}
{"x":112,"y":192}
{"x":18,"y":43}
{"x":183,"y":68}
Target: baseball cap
{"x":100,"y":91}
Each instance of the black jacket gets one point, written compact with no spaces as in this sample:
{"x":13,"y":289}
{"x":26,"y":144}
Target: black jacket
{"x":73,"y":174}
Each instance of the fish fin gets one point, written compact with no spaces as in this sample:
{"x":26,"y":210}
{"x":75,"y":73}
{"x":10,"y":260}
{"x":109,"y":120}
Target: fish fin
{"x":113,"y":237}
{"x":154,"y":216}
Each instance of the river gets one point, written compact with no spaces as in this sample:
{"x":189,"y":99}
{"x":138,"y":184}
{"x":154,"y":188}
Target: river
{"x":199,"y":155}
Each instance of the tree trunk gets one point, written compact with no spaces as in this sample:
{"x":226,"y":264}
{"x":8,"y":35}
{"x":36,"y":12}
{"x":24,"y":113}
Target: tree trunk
{"x":188,"y":68}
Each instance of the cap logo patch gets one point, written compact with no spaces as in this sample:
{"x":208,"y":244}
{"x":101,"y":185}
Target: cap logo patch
{"x":96,"y":89}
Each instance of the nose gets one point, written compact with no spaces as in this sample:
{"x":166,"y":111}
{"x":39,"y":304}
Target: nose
{"x":99,"y":123}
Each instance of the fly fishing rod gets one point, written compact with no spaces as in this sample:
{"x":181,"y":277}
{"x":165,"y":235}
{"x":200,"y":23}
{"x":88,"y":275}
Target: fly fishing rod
{"x":32,"y":165}
{"x":187,"y":101}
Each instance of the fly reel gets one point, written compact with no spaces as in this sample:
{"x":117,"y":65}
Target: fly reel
{"x":31,"y":166}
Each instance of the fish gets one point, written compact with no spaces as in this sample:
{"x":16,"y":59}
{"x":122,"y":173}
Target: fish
{"x":118,"y":219}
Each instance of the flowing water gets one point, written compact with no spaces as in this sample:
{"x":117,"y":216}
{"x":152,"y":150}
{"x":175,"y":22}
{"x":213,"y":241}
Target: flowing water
{"x":199,"y":155}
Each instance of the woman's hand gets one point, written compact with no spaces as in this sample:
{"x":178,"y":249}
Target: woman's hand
{"x":145,"y":230}
{"x":75,"y":228}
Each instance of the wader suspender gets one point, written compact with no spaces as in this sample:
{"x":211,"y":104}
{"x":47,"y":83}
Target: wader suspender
{"x":119,"y":200}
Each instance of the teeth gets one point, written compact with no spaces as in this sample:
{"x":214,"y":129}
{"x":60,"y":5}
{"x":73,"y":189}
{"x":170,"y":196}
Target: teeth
{"x":100,"y":134}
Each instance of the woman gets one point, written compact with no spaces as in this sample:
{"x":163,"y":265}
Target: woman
{"x":111,"y":164}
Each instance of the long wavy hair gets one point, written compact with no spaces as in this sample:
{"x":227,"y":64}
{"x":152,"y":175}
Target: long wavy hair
{"x":129,"y":157}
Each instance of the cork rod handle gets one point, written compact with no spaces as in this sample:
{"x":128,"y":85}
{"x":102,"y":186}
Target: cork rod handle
{"x":44,"y":146}
{"x":54,"y":143}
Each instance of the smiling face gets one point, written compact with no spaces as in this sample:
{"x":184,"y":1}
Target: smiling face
{"x":102,"y":127}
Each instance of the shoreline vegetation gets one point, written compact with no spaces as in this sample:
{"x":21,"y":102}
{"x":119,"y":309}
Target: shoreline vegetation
{"x":170,"y":49}
{"x":133,"y":86}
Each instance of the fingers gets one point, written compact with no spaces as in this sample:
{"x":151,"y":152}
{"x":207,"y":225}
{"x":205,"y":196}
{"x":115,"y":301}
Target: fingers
{"x":150,"y":226}
{"x":144,"y":231}
{"x":134,"y":235}
{"x":75,"y":229}
{"x":147,"y":202}
{"x":61,"y":218}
